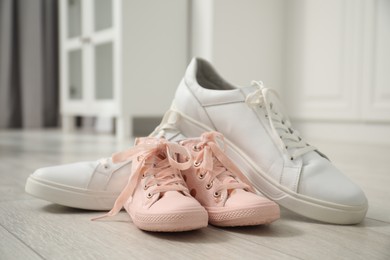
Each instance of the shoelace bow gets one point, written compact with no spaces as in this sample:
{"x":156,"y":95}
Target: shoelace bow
{"x":279,"y":122}
{"x":212,"y":159}
{"x":159,"y":157}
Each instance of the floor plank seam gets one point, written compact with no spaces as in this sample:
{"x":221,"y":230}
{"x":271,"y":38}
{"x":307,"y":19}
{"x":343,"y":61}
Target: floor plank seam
{"x":379,"y":220}
{"x":21,"y":241}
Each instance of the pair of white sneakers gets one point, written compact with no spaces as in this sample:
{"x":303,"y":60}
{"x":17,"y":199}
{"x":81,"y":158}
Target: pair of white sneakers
{"x":260,"y":141}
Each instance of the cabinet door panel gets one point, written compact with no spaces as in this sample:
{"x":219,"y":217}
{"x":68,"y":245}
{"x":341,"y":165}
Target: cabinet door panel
{"x":376,"y":87}
{"x":104,"y":80}
{"x":322,"y":71}
{"x":74,"y":10}
{"x":102,"y":14}
{"x":75,"y":74}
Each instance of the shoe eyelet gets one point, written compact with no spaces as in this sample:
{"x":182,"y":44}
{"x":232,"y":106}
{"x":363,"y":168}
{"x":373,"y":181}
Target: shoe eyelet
{"x":106,"y":166}
{"x":195,"y":148}
{"x":201,"y":176}
{"x":149,"y":196}
{"x":216,"y":194}
{"x":145,"y":187}
{"x":209,"y":185}
{"x":291,"y":158}
{"x":197,"y":164}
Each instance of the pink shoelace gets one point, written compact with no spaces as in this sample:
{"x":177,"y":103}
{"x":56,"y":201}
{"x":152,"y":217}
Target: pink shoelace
{"x":213,"y":160}
{"x":158,"y":162}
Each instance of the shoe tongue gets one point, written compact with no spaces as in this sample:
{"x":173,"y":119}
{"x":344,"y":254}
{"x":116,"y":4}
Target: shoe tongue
{"x":170,"y":194}
{"x":236,"y":192}
{"x":225,"y":176}
{"x":176,"y":138}
{"x":225,"y":179}
{"x":248,"y":89}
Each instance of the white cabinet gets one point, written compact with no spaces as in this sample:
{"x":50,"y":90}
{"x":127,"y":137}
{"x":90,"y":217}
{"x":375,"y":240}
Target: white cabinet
{"x":90,"y":43}
{"x":120,"y":59}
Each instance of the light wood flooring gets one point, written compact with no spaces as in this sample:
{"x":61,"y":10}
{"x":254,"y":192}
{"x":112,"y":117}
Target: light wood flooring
{"x":31,"y":228}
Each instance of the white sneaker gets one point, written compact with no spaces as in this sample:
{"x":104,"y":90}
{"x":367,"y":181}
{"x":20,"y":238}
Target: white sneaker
{"x":262,"y":142}
{"x":93,"y":185}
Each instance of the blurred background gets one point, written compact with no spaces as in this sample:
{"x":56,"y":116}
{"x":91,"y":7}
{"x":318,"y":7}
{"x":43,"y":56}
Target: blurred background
{"x":113,"y":66}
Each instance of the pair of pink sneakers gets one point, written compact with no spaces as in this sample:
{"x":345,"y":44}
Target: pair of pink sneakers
{"x":186,"y":185}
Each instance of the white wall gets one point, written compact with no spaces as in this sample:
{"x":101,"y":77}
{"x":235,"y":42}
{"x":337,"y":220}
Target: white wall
{"x":155,"y":52}
{"x":243,"y":39}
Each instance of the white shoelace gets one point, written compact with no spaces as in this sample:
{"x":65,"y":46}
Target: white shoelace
{"x":279,"y":122}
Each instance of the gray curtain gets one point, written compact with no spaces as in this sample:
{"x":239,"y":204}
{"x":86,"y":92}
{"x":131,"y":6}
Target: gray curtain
{"x":28,"y":63}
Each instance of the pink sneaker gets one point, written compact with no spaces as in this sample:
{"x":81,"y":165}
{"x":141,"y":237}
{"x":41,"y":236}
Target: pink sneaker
{"x":156,"y":196}
{"x":222,"y":189}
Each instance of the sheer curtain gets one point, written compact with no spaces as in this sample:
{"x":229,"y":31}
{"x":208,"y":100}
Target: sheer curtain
{"x":28,"y":63}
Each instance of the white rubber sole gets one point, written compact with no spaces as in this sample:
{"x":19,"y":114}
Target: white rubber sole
{"x":303,"y":205}
{"x":70,"y":196}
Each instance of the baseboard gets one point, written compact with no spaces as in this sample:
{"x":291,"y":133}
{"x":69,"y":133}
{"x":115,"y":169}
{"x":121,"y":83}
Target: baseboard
{"x":354,"y":132}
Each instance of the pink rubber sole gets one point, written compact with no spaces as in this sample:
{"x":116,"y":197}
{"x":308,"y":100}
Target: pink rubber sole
{"x":170,"y":222}
{"x":250,"y":216}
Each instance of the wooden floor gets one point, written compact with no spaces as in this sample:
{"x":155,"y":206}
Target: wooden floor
{"x":35,"y":229}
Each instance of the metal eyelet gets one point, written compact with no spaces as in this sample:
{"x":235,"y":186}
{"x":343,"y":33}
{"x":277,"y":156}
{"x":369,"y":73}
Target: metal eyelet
{"x":201,"y":176}
{"x":195,"y":148}
{"x":209,"y":185}
{"x":216,"y":194}
{"x":197,"y":164}
{"x":149,"y":196}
